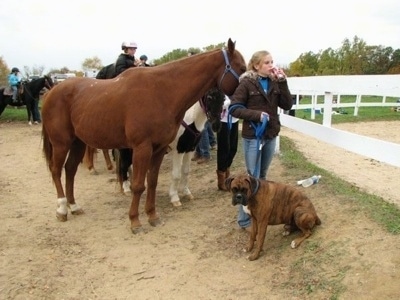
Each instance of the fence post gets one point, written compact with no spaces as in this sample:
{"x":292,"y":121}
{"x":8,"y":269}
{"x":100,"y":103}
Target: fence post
{"x":357,"y":105}
{"x":327,"y":116}
{"x":313,"y":105}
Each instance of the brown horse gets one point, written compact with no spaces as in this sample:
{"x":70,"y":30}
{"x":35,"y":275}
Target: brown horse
{"x":141,"y":109}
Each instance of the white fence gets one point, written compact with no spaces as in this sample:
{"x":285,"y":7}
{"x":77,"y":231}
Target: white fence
{"x":357,"y":86}
{"x":383,"y":85}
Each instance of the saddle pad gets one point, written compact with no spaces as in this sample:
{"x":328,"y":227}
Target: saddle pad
{"x":8,"y":91}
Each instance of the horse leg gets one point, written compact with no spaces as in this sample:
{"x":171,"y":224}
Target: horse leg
{"x":88,"y":159}
{"x":3,"y":102}
{"x":184,"y":188}
{"x":107,"y":158}
{"x":152,"y":180}
{"x":75,"y":156}
{"x":141,"y":161}
{"x":176,"y":177}
{"x":59,"y":153}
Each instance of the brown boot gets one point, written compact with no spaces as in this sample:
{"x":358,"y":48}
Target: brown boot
{"x":221,"y":180}
{"x":196,"y":156}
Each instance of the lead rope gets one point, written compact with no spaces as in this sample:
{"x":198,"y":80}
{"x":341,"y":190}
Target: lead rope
{"x":259,"y":129}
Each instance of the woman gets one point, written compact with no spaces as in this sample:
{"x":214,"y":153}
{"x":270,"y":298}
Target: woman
{"x":262,"y":89}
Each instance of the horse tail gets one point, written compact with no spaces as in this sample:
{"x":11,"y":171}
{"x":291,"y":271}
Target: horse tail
{"x":47,"y":147}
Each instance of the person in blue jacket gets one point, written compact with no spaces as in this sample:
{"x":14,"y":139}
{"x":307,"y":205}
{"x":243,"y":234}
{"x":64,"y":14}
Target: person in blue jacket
{"x":14,"y":81}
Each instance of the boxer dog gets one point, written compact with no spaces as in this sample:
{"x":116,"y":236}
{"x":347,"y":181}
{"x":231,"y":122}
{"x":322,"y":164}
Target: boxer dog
{"x":272,"y":203}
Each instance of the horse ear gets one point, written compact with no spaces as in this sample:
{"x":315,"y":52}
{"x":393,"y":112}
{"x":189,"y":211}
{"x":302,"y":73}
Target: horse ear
{"x":231,"y":45}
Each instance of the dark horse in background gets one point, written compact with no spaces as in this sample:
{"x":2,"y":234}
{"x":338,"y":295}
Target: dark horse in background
{"x":141,"y":109}
{"x":28,"y":97}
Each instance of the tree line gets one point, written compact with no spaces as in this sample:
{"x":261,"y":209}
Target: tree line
{"x":352,"y":58}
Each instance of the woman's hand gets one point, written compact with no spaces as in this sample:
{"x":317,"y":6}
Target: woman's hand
{"x":264,"y":115}
{"x":278,"y":74}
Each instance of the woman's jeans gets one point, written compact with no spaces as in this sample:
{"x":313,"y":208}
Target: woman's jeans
{"x":257,"y":164}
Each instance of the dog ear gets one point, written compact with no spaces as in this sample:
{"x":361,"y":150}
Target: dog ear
{"x":228,"y":182}
{"x":253,"y":183}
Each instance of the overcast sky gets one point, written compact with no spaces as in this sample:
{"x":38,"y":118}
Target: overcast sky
{"x":54,"y":34}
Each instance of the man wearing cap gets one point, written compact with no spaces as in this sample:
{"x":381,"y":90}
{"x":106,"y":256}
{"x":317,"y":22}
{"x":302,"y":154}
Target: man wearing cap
{"x":143,"y":61}
{"x":126,"y":59}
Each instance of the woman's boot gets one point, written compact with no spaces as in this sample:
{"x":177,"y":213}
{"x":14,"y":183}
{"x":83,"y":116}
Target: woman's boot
{"x":221,"y":180}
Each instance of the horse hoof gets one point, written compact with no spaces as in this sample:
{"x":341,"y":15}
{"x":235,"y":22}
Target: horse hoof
{"x":156,"y":222}
{"x":60,"y":217}
{"x":176,"y":203}
{"x":93,"y":172}
{"x":77,"y":212}
{"x":189,"y":197}
{"x":137,"y":230}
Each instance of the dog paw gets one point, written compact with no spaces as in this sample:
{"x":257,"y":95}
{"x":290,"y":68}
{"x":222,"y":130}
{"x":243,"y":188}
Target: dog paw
{"x":252,"y":257}
{"x":285,"y":232}
{"x":293,"y":244}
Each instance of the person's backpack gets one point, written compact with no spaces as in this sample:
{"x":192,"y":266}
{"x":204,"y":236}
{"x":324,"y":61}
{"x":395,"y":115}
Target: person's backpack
{"x":106,"y":72}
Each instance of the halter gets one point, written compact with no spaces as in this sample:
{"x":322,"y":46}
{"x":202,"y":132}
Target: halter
{"x":228,"y":69}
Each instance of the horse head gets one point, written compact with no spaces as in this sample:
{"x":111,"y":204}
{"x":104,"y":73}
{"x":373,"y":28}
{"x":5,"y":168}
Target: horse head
{"x":48,"y":82}
{"x":235,"y":65}
{"x":212,"y":103}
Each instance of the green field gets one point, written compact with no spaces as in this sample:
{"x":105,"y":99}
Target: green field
{"x":365,"y":114}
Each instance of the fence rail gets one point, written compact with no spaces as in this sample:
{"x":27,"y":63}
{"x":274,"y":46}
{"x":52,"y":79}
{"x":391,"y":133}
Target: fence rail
{"x":368,"y":85}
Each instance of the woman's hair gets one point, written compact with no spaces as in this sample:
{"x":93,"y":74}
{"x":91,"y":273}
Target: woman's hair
{"x":256,"y":59}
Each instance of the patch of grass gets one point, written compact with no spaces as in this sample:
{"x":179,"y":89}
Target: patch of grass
{"x":365,"y":114}
{"x":382,"y":212}
{"x":12,"y":114}
{"x":310,"y":275}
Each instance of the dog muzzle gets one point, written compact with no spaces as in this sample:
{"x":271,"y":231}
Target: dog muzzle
{"x":239,"y":198}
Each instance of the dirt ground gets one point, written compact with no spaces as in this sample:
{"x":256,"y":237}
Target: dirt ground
{"x":198,"y":253}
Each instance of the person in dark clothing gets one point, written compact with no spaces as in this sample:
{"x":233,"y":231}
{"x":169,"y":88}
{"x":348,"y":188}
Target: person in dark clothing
{"x":227,"y":140}
{"x":143,"y":61}
{"x":125,"y":61}
{"x":292,"y":112}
